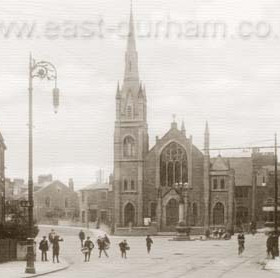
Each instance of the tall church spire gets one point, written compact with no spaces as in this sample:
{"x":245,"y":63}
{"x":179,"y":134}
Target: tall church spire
{"x":131,"y":56}
{"x":206,"y":140}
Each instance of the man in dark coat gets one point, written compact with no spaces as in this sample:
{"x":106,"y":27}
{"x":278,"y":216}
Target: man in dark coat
{"x":56,"y":248}
{"x":123,"y":247}
{"x":275,"y":250}
{"x":102,"y":246}
{"x":82,"y":237}
{"x":149,"y":243}
{"x":269,"y":245}
{"x":89,"y":245}
{"x":44,"y":247}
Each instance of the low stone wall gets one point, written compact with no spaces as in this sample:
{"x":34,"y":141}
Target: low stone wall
{"x":8,"y":250}
{"x":136,"y":231}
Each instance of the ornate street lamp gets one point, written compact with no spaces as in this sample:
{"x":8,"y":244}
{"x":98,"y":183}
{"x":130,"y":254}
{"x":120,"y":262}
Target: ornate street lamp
{"x":41,"y":70}
{"x":182,"y":227}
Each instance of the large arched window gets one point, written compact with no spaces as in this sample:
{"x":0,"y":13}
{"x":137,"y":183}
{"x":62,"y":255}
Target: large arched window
{"x":173,"y":165}
{"x":128,"y":147}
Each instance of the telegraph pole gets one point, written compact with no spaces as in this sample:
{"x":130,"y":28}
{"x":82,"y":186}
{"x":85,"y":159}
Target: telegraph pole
{"x":276,"y":190}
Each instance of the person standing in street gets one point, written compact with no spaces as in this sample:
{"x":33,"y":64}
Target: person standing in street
{"x":82,"y":237}
{"x":269,"y":246}
{"x":101,"y":246}
{"x":123,"y":247}
{"x":89,"y":245}
{"x":51,"y":236}
{"x":56,"y":248}
{"x":149,"y":243}
{"x":44,"y":247}
{"x":275,"y":250}
{"x":241,"y":243}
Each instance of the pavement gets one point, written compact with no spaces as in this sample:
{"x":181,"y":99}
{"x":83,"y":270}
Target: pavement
{"x":273,"y":265}
{"x":17,"y":269}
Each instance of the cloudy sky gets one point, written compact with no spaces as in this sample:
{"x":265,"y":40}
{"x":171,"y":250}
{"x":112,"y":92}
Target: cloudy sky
{"x":231,"y":79}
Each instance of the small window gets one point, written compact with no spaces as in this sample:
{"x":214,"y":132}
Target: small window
{"x":83,"y":196}
{"x":132,"y":185}
{"x":66,"y":203}
{"x":125,"y":185}
{"x":222,"y":182}
{"x":215,"y":184}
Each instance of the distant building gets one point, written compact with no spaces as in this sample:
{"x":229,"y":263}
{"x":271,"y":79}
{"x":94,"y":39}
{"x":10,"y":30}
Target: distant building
{"x":55,"y":201}
{"x":96,"y":203}
{"x":14,"y":187}
{"x":2,"y":179}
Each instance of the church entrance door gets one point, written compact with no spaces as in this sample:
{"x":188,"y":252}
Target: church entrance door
{"x":172,"y":213}
{"x":129,"y":215}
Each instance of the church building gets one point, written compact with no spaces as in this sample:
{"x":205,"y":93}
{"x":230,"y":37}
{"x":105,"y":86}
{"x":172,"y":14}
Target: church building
{"x":150,"y":183}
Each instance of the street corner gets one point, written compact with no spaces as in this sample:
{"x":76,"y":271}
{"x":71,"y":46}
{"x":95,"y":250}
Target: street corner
{"x":272,"y":265}
{"x":44,"y":268}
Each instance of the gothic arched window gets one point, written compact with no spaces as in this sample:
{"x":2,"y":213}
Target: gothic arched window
{"x":132,"y":185}
{"x":173,"y":165}
{"x":125,"y":185}
{"x":128,"y":147}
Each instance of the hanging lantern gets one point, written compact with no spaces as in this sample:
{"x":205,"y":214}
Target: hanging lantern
{"x":55,"y":99}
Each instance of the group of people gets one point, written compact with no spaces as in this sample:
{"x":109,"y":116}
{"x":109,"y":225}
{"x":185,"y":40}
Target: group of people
{"x":217,"y":234}
{"x":103,"y":244}
{"x":52,"y":241}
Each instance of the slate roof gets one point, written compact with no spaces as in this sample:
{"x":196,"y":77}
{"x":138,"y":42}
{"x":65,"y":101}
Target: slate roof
{"x":96,"y":186}
{"x":243,"y":168}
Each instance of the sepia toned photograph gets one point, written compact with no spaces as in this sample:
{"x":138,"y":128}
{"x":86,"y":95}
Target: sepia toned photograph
{"x":139,"y":138}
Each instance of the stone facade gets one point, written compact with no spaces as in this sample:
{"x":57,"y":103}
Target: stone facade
{"x":151,"y":183}
{"x":95,"y":204}
{"x":55,"y":201}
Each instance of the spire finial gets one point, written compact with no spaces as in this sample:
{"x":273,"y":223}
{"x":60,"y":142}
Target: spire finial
{"x":207,"y":128}
{"x":183,"y":129}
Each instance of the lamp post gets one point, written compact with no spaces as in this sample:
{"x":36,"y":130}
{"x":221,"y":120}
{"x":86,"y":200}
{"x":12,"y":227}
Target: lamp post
{"x":276,"y":199}
{"x":183,"y":227}
{"x":41,"y":70}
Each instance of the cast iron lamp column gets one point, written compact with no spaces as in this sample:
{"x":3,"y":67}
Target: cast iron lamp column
{"x":41,"y":70}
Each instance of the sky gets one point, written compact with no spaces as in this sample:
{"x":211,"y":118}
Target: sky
{"x":230,"y":79}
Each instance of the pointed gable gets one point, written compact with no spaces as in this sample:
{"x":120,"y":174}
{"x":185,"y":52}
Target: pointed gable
{"x":220,"y":164}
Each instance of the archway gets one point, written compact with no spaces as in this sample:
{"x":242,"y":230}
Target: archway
{"x":218,"y":214}
{"x":194,"y":214}
{"x":129,"y":215}
{"x":172,"y":213}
